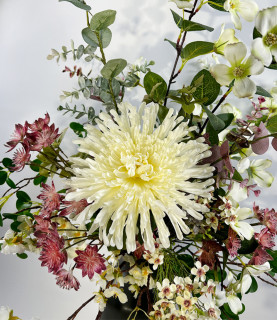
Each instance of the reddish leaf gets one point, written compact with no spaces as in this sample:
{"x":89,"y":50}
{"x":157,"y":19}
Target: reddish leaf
{"x":261,"y":146}
{"x":274,"y":143}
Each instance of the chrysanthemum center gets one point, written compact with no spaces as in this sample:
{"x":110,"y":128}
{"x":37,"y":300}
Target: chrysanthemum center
{"x":137,"y":166}
{"x":238,"y":72}
{"x":270,"y":39}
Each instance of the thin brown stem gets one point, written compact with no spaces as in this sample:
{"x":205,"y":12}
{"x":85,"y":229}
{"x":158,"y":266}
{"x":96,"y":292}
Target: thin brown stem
{"x":268,"y":282}
{"x":73,"y":316}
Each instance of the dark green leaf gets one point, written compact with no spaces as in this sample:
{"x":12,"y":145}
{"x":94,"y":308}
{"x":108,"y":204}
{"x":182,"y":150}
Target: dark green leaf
{"x":237,"y":176}
{"x":20,"y":205}
{"x":248,"y":246}
{"x":209,"y":90}
{"x":78,"y":4}
{"x":272,"y":124}
{"x":217,"y":4}
{"x":229,"y":312}
{"x":196,"y":48}
{"x":1,"y":220}
{"x":262,"y":92}
{"x":35,"y":165}
{"x":11,"y":216}
{"x":23,"y":196}
{"x":213,"y":135}
{"x":22,"y":255}
{"x":10,"y":183}
{"x":101,"y":20}
{"x":273,"y":66}
{"x":187,"y":25}
{"x":162,"y":112}
{"x":254,"y":286}
{"x":3,"y":177}
{"x":256,"y":34}
{"x":77,"y":127}
{"x":39,"y":179}
{"x":215,"y":121}
{"x":113,"y":68}
{"x":14,"y":226}
{"x":151,"y":80}
{"x":7,"y":162}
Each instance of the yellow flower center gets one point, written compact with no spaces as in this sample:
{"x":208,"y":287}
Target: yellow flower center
{"x":238,"y":72}
{"x":270,"y":39}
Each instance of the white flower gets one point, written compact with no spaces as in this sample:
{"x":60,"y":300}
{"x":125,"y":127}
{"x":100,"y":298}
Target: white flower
{"x":256,"y":169}
{"x":101,"y":300}
{"x":234,"y":303}
{"x":166,"y":289}
{"x":257,"y":270}
{"x":226,"y":37}
{"x":237,"y":192}
{"x":242,"y":228}
{"x":243,"y":284}
{"x":212,"y":309}
{"x":212,"y":220}
{"x":12,"y":244}
{"x":228,"y":108}
{"x":246,"y":8}
{"x":132,"y":168}
{"x":117,"y":293}
{"x":5,"y":313}
{"x":239,"y":71}
{"x":199,"y":271}
{"x":183,"y":4}
{"x":156,"y":260}
{"x":266,"y":23}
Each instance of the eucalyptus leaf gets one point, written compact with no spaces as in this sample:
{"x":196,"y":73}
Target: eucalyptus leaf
{"x":215,"y":121}
{"x":101,"y":20}
{"x":78,"y":4}
{"x":92,"y":38}
{"x":196,"y":48}
{"x":188,"y":25}
{"x":113,"y":68}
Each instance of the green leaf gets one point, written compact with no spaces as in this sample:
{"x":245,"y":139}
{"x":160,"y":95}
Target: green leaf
{"x":10,"y":183}
{"x":248,"y":246}
{"x":254,"y":286}
{"x":3,"y":177}
{"x":35,"y":165}
{"x":227,"y":118}
{"x":188,"y":25}
{"x":14,"y":226}
{"x":215,"y":121}
{"x":1,"y":220}
{"x":77,"y":127}
{"x":196,"y":48}
{"x":237,"y":176}
{"x":171,"y":42}
{"x":217,"y":4}
{"x":272,"y":124}
{"x":7,"y":163}
{"x":256,"y":34}
{"x":102,"y":20}
{"x":23,"y":196}
{"x":39,"y":180}
{"x":151,"y":80}
{"x":213,"y":135}
{"x":229,"y":312}
{"x":113,"y":68}
{"x":91,"y":37}
{"x":208,"y":90}
{"x":22,"y":255}
{"x":78,"y":4}
{"x":262,"y":92}
{"x":162,"y":112}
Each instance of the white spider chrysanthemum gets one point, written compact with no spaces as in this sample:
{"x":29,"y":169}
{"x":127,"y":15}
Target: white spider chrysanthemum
{"x":136,"y":171}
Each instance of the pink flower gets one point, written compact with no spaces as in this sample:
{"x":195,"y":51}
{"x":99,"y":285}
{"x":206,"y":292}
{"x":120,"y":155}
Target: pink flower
{"x":260,"y":256}
{"x":52,"y":255}
{"x":43,"y":138}
{"x":20,"y":158}
{"x":51,"y":199}
{"x":74,"y":207}
{"x":66,"y":280}
{"x":233,"y":243}
{"x":270,"y":220}
{"x":89,"y":261}
{"x":17,"y":136}
{"x":265,"y":238}
{"x":39,"y":124}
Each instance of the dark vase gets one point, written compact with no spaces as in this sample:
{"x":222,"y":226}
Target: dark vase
{"x":118,"y":311}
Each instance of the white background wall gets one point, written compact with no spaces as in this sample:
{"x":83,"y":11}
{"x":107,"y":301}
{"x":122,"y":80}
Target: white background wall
{"x":31,"y":85}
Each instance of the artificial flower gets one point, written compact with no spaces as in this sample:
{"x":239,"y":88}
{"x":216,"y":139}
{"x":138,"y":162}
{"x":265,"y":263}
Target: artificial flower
{"x":117,"y":293}
{"x":227,"y":36}
{"x":248,"y":9}
{"x":256,"y":270}
{"x":265,"y":47}
{"x":133,"y":168}
{"x":239,"y":71}
{"x":200,"y":271}
{"x":183,"y":4}
{"x":66,"y":280}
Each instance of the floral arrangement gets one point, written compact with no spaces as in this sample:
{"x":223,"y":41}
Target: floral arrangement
{"x":152,"y":199}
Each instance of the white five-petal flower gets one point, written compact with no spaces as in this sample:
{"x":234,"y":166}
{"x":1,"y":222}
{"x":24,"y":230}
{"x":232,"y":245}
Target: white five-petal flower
{"x":265,"y":47}
{"x":183,"y":4}
{"x":248,"y":10}
{"x":240,"y":70}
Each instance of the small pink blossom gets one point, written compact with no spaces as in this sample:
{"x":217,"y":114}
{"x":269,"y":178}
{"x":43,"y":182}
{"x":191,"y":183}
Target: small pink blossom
{"x":39,"y":123}
{"x":66,"y":280}
{"x":51,"y":199}
{"x":73,"y":207}
{"x":260,"y":256}
{"x":89,"y":261}
{"x":233,"y":243}
{"x":270,"y":220}
{"x":265,"y":238}
{"x":43,"y":138}
{"x":52,"y":255}
{"x":17,"y":137}
{"x":20,"y":158}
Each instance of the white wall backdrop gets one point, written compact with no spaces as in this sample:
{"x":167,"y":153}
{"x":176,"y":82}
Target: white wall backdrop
{"x":31,"y":85}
